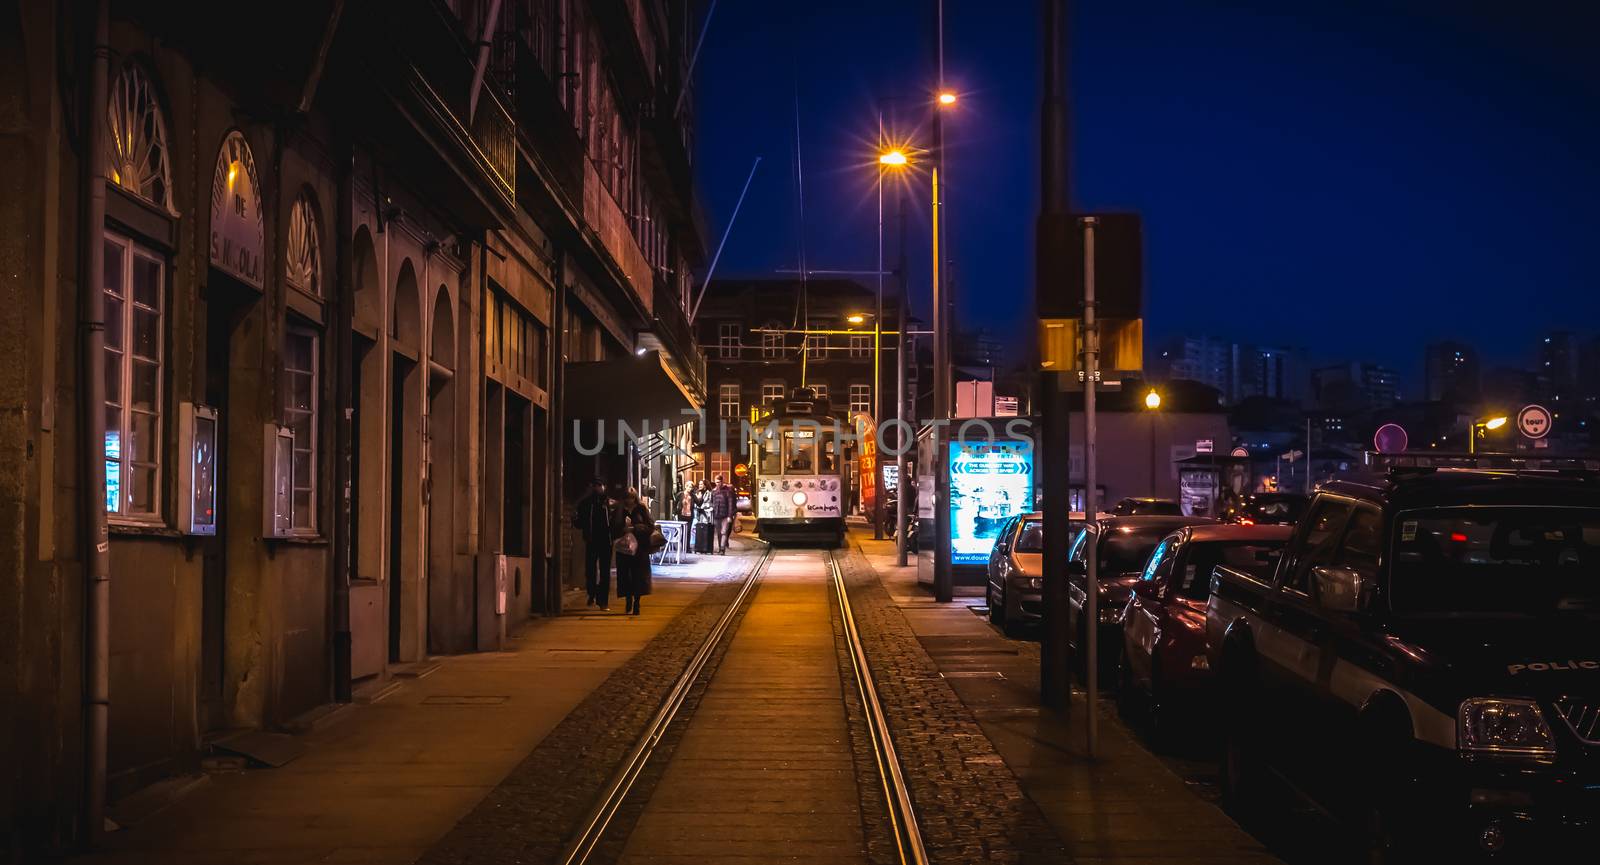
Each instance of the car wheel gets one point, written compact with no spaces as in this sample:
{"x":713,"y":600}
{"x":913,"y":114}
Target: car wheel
{"x":1012,"y":625}
{"x":1241,"y":774}
{"x":996,"y":611}
{"x":1127,"y":706}
{"x":1388,"y":831}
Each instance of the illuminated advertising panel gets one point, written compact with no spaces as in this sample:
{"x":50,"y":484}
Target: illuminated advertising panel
{"x":989,"y":483}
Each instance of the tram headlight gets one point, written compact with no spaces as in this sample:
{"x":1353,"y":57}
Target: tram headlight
{"x":799,"y":498}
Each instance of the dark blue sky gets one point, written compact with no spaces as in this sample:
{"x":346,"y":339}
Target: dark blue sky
{"x":1356,"y":178}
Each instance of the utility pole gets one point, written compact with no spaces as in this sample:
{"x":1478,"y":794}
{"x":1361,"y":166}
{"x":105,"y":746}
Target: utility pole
{"x":1091,"y":504}
{"x":877,"y":365}
{"x":1052,"y":452}
{"x":943,"y":583}
{"x":902,"y":488}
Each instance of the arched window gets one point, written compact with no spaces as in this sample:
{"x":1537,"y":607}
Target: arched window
{"x":302,"y":265}
{"x":136,"y":139}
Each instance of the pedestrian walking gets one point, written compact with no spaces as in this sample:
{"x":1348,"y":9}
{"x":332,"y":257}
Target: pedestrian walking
{"x":592,"y":517}
{"x":631,"y":530}
{"x":724,"y":505}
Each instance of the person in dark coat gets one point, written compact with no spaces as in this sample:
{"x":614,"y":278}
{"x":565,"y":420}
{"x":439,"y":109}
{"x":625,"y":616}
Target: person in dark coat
{"x":723,"y":505}
{"x":592,"y":517}
{"x":630,"y":516}
{"x":702,"y":518}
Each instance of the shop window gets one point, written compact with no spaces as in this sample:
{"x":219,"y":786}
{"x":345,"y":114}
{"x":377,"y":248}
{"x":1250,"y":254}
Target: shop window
{"x":299,"y":414}
{"x":133,"y":280}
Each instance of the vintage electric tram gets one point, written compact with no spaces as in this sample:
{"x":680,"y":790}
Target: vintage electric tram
{"x":800,"y":486}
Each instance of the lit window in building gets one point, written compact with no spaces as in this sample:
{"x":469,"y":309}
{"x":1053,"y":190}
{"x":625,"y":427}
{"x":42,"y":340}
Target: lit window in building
{"x":722,"y":465}
{"x":771,"y":392}
{"x":860,"y":398}
{"x":299,"y":404}
{"x":302,"y":266}
{"x":133,"y":280}
{"x":136,"y":139}
{"x":728,"y":340}
{"x":728,"y":400}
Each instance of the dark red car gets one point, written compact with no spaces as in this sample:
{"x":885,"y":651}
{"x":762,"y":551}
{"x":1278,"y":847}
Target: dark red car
{"x":1164,"y":661}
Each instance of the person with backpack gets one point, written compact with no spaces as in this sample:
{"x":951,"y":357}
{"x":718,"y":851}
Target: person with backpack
{"x":634,"y":538}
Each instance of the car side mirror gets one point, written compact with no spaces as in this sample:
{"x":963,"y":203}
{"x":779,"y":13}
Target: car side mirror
{"x":1147,"y":589}
{"x":1078,"y":568}
{"x":1341,"y":590}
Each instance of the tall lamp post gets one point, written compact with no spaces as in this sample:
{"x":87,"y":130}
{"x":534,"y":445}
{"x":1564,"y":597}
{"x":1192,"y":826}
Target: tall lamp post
{"x":1152,"y":405}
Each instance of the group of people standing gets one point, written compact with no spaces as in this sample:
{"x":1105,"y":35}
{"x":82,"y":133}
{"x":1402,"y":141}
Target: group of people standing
{"x":710,"y":507}
{"x":615,"y":528}
{"x":620,"y":528}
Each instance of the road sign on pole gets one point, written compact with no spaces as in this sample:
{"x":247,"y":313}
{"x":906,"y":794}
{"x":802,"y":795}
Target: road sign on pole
{"x":1534,"y":421}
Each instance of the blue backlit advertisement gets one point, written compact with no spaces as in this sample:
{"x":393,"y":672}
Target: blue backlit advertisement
{"x":989,"y":483}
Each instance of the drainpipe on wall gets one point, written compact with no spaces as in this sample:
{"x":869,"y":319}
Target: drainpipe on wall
{"x":97,"y":547}
{"x":478,"y":70}
{"x":555,"y":504}
{"x":344,"y":402}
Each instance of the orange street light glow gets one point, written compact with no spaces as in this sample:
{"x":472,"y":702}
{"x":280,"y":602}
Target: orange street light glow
{"x":947,"y":98}
{"x":893,"y":157}
{"x":856,"y":319}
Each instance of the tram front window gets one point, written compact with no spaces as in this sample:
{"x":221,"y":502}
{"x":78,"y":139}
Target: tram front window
{"x":771,"y":460}
{"x":800,"y":446}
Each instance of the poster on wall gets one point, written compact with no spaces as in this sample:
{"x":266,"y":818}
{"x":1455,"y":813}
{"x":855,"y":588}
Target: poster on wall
{"x":1197,"y":491}
{"x":989,"y":483}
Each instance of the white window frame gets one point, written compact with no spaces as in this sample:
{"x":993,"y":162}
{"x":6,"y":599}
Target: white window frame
{"x":120,"y":510}
{"x":302,"y":521}
{"x":817,"y":346}
{"x":771,"y":392}
{"x":728,"y":340}
{"x":860,"y":346}
{"x":771,"y":341}
{"x":860,"y":398}
{"x":722,"y":465}
{"x":726,"y":406}
{"x":821,"y":390}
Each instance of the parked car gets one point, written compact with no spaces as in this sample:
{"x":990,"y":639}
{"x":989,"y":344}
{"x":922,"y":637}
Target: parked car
{"x":1166,"y":671}
{"x":1122,"y":545}
{"x":1424,"y":661}
{"x":1268,"y":509}
{"x":1136,"y":507}
{"x":1016,"y":566}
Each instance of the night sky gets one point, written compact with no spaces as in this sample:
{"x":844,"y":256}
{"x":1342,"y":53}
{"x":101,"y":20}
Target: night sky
{"x":1356,"y":178}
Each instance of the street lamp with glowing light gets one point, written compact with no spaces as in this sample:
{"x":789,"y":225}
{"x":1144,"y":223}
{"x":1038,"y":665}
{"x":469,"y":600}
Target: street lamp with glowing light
{"x":857,"y":318}
{"x":1152,"y":400}
{"x":1481,"y":428}
{"x":947,"y":98}
{"x":893,"y":157}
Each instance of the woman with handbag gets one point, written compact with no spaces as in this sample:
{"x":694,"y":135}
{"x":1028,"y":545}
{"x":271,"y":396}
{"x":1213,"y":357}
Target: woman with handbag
{"x":634,"y":534}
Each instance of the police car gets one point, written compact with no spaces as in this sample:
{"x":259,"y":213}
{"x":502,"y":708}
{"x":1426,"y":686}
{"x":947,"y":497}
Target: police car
{"x":1425,"y":659}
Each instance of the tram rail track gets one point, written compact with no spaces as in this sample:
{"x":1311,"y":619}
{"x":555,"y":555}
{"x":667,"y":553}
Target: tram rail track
{"x":592,"y":829}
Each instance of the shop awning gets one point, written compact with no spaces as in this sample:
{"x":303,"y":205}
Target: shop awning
{"x":640,"y":392}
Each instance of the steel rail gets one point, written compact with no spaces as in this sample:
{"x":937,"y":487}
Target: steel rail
{"x":594,"y":824}
{"x":902,"y":814}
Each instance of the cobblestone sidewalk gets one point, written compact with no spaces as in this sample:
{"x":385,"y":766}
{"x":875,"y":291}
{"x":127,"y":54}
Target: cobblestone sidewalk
{"x":531,"y":814}
{"x":971,"y":806}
